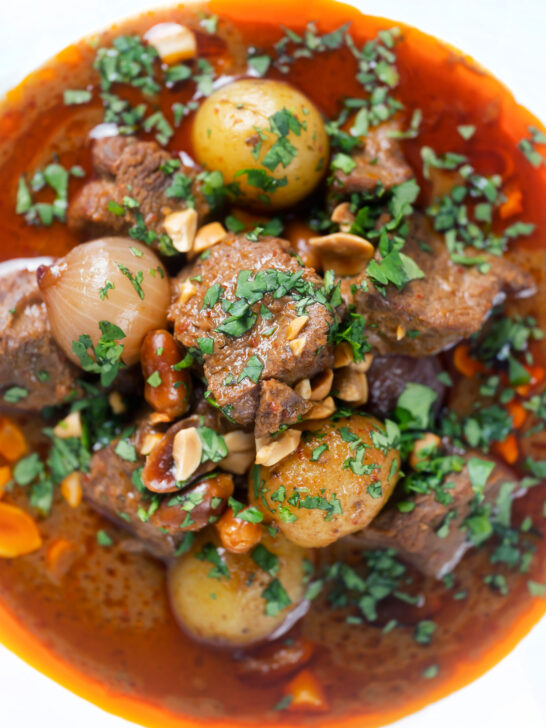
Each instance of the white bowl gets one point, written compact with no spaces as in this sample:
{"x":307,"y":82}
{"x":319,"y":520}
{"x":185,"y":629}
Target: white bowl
{"x":505,"y":36}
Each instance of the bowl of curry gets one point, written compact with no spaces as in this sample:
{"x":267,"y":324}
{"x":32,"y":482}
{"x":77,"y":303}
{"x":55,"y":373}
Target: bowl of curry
{"x":272,"y":368}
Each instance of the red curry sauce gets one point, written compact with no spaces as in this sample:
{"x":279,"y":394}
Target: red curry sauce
{"x":109,"y":618}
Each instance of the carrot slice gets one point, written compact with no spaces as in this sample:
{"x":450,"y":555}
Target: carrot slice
{"x":507,"y":449}
{"x":513,"y":204}
{"x":71,"y":489}
{"x":307,"y":693}
{"x":18,"y":532}
{"x":466,"y":364}
{"x":12,"y":441}
{"x":5,"y":477}
{"x":61,"y":555}
{"x":517,"y":411}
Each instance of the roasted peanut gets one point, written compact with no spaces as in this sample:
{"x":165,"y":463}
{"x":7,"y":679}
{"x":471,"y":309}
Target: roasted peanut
{"x":167,"y":390}
{"x":159,"y":473}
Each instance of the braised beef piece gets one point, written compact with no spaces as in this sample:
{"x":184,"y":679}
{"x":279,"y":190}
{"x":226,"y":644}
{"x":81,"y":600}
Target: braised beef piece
{"x":115,"y":488}
{"x":264,"y":347}
{"x":388,"y":376}
{"x":414,"y":534}
{"x":130,"y":168}
{"x":450,"y":303}
{"x":279,"y":405}
{"x":380,"y":161}
{"x":29,"y":357}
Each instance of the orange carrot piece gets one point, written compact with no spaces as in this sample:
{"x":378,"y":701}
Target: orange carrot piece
{"x":5,"y":477}
{"x":513,"y":204}
{"x":517,"y":412}
{"x":61,"y":556}
{"x":307,"y":693}
{"x":18,"y":532}
{"x":507,"y":449}
{"x":71,"y":489}
{"x":466,"y":364}
{"x":12,"y":441}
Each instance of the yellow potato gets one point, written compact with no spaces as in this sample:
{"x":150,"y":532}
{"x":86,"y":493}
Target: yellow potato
{"x":269,"y":128}
{"x":229,"y":599}
{"x":316,"y":495}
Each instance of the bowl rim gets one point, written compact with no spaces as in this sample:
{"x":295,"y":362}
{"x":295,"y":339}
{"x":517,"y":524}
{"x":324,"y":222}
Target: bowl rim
{"x":21,"y":641}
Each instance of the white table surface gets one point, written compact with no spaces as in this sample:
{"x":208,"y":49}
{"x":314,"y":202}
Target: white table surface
{"x":506,"y":36}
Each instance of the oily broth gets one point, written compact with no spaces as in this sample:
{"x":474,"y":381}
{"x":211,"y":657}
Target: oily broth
{"x":109,"y":617}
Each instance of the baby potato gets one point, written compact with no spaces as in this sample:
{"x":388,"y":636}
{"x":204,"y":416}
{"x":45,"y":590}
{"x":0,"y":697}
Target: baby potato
{"x":237,"y":599}
{"x":336,"y":481}
{"x":265,"y":136}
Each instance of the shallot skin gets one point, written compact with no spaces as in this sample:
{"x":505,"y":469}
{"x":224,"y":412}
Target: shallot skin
{"x":111,"y":279}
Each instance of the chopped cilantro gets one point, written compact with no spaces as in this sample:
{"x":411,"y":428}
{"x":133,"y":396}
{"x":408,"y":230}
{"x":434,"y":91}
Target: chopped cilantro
{"x":317,"y":452}
{"x":103,"y":539}
{"x":214,"y":445}
{"x":126,"y":451}
{"x":154,"y":380}
{"x":276,"y":598}
{"x":424,"y":632}
{"x":206,"y":344}
{"x":265,"y":559}
{"x":210,"y":553}
{"x":15,"y":394}
{"x":253,"y":369}
{"x":73,"y":97}
{"x":107,"y":353}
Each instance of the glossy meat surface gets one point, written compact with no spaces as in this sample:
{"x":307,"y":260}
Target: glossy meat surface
{"x":267,"y":338}
{"x":448,"y":304}
{"x":29,"y":357}
{"x":128,"y":168}
{"x":415,"y":535}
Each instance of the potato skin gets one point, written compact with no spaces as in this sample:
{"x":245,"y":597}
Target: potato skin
{"x":235,"y":616}
{"x":346,"y":505}
{"x":224,"y":136}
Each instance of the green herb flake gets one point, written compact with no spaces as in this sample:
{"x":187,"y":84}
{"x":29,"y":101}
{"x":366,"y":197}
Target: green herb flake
{"x":265,"y":559}
{"x":126,"y":451}
{"x":431,"y":672}
{"x":206,"y":344}
{"x":103,"y":539}
{"x":252,"y":370}
{"x":536,"y":589}
{"x":467,"y":131}
{"x":15,"y":394}
{"x":317,"y":452}
{"x":154,"y":380}
{"x":276,"y":598}
{"x":73,"y":97}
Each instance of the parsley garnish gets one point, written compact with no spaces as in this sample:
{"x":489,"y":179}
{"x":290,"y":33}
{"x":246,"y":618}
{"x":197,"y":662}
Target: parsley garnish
{"x":252,"y":370}
{"x":276,"y":598}
{"x":107,"y":354}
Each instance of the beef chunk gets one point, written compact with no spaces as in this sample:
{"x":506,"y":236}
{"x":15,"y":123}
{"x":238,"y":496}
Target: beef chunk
{"x":380,"y":162}
{"x":129,"y":168}
{"x":259,"y":340}
{"x":113,"y":487}
{"x":29,"y":356}
{"x":450,"y":303}
{"x":279,"y":405}
{"x":414,"y":534}
{"x":388,"y":376}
